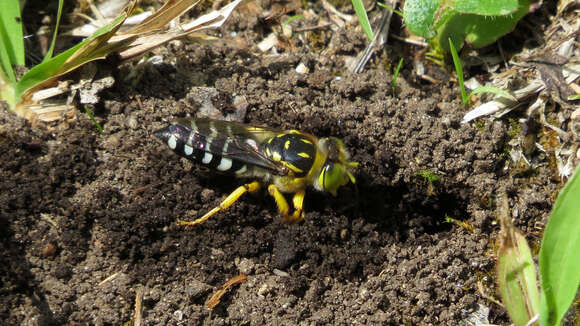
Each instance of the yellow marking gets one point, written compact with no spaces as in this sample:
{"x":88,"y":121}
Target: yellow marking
{"x":268,"y":153}
{"x":287,"y":144}
{"x":225,"y":204}
{"x":270,"y":140}
{"x":292,"y":167}
{"x":276,"y":157}
{"x":294,"y":131}
{"x":321,"y":178}
{"x":306,"y":141}
{"x":280,"y":135}
{"x":303,"y":154}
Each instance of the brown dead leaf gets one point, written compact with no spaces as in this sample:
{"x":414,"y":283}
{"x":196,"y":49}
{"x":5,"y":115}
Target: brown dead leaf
{"x":146,"y":40}
{"x":169,"y":11}
{"x":216,"y":297}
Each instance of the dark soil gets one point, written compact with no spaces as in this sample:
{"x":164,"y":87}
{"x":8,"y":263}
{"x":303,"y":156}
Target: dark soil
{"x":87,"y":220}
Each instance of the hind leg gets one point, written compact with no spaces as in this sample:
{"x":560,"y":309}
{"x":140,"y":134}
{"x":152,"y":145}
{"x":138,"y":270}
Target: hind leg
{"x":225,"y":204}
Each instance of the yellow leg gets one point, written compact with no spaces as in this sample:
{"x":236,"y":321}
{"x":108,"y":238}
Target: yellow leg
{"x":281,"y":202}
{"x":298,"y":201}
{"x":283,"y":206}
{"x":225,"y":204}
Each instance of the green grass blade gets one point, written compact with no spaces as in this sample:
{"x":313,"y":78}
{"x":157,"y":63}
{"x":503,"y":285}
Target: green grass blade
{"x":292,"y":18}
{"x":363,"y":19}
{"x":493,"y":90}
{"x":560,"y":254}
{"x":395,"y":75}
{"x":459,"y":70}
{"x":58,"y":16}
{"x":386,"y":6}
{"x":95,"y":122}
{"x":11,"y":38}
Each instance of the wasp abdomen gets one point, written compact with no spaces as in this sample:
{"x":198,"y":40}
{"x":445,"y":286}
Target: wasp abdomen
{"x":201,"y":147}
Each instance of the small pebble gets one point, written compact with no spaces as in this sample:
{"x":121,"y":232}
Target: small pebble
{"x":206,"y":194}
{"x":132,"y":122}
{"x":49,"y":250}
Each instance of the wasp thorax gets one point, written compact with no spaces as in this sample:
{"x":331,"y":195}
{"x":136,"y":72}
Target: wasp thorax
{"x":295,"y":151}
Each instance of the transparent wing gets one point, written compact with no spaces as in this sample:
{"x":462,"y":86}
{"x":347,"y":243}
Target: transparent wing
{"x":235,"y":141}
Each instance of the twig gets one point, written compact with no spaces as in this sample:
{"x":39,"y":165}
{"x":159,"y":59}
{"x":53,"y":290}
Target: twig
{"x":409,"y":40}
{"x":336,"y":16}
{"x":138,"y":318}
{"x":139,"y":190}
{"x":380,"y":39}
{"x":216,"y":297}
{"x":109,"y":278}
{"x":311,"y":28}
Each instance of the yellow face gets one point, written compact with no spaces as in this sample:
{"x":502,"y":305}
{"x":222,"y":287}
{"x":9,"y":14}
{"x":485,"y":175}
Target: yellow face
{"x":335,"y":171}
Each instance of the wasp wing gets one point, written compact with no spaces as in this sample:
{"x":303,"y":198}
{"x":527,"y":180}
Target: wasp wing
{"x":225,"y":139}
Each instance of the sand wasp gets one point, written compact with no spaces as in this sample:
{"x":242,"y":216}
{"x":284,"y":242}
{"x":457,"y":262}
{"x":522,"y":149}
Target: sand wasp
{"x":289,"y":161}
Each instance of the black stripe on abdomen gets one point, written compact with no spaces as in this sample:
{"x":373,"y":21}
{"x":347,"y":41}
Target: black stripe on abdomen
{"x":198,"y":141}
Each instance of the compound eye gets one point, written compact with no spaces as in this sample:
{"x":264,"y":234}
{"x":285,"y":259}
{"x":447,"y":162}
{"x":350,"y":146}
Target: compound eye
{"x":332,"y":177}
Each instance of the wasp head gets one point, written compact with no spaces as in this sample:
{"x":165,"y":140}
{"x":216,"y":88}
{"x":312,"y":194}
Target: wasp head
{"x":336,"y":170}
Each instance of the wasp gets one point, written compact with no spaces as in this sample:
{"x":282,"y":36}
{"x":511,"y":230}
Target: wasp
{"x":288,"y":161}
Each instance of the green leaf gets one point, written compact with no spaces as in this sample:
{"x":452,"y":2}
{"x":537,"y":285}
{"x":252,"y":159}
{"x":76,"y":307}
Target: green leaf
{"x":363,"y":19}
{"x":479,"y":29}
{"x":517,"y":279}
{"x":560,"y":254}
{"x":487,"y":7}
{"x":477,"y":22}
{"x":516,"y":273}
{"x":90,"y":49}
{"x":419,"y":15}
{"x":11,"y":38}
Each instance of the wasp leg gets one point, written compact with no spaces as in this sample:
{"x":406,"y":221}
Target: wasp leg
{"x":298,"y":201}
{"x":225,"y":204}
{"x":283,"y":206}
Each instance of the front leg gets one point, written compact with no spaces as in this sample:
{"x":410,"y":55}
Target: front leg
{"x":283,"y":206}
